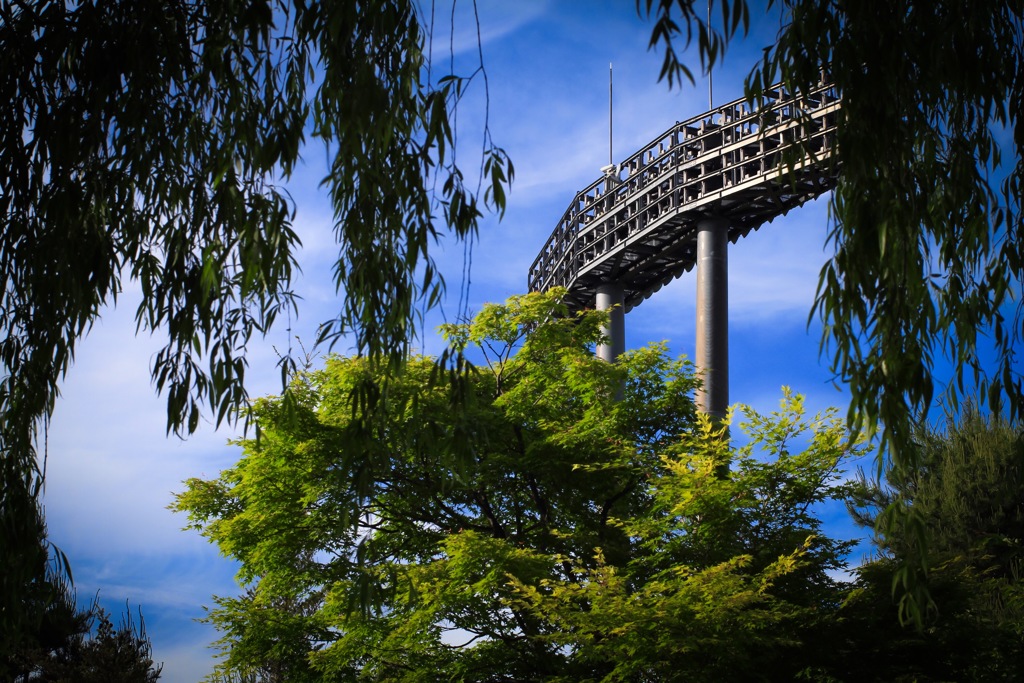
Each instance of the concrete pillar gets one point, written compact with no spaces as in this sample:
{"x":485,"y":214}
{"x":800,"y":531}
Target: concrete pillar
{"x":611,"y":298}
{"x":712,"y":353}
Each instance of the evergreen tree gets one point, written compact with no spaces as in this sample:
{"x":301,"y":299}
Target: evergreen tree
{"x":121,"y":654}
{"x":968,"y":495}
{"x":56,"y":642}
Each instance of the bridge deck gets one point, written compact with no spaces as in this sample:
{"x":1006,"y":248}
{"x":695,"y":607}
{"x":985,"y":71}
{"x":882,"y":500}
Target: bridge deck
{"x":637,"y":226}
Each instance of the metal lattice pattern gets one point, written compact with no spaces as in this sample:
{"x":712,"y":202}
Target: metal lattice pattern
{"x":637,"y":225}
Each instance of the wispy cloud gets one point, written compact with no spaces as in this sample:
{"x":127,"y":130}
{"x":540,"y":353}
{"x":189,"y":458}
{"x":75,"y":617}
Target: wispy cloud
{"x":459,"y":27}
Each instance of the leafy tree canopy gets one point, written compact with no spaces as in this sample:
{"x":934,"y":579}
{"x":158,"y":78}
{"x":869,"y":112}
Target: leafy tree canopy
{"x":547,"y":531}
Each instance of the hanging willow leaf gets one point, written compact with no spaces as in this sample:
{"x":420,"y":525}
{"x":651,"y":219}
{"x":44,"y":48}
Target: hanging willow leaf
{"x":147,"y":142}
{"x":926,"y":231}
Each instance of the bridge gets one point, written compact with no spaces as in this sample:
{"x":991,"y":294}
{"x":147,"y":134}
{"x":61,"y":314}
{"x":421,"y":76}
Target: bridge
{"x":678,"y":201}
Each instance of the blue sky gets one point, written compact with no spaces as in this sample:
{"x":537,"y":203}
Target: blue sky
{"x":111,"y":470}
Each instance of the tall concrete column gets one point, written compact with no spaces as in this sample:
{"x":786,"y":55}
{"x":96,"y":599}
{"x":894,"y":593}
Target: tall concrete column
{"x":611,"y":298}
{"x":712,"y":353}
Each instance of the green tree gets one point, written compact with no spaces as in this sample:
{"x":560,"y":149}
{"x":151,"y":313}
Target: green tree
{"x":121,"y":654}
{"x":967,"y":494}
{"x":730,"y":578}
{"x":55,"y":642}
{"x":42,"y":612}
{"x":145,"y":142}
{"x":510,"y":540}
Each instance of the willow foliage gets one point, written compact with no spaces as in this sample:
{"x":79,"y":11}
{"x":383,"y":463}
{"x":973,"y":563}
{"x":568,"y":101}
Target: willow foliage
{"x":146,"y":143}
{"x":926,"y":219}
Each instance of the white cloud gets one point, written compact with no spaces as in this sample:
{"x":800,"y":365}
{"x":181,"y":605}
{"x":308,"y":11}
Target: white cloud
{"x":774,"y":271}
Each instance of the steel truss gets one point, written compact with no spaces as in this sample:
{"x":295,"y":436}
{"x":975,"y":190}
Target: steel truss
{"x":637,"y":225}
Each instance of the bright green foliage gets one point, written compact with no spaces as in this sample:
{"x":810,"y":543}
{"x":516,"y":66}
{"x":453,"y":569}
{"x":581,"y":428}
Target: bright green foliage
{"x":729,"y":574}
{"x":508,"y":539}
{"x":144,"y":141}
{"x":928,"y":262}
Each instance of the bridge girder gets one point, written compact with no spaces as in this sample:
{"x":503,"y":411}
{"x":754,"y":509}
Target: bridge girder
{"x":637,"y":225}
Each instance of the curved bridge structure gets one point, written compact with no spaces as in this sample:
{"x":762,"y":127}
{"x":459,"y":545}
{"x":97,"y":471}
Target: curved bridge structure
{"x":720,"y":175}
{"x":637,"y":225}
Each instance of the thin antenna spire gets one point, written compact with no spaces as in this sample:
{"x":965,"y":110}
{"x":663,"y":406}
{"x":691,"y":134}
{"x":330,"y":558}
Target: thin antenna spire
{"x":610,"y":161}
{"x":711,"y":99}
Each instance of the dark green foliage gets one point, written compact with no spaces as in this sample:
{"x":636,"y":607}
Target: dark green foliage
{"x":144,"y":142}
{"x":968,"y":494}
{"x":50,"y":630}
{"x":22,"y":546}
{"x":543,"y":530}
{"x":112,"y":654}
{"x":37,"y":601}
{"x":960,"y":639}
{"x":54,"y":641}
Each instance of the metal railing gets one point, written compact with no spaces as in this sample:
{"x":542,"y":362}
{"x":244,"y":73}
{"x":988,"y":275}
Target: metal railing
{"x":634,"y":223}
